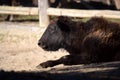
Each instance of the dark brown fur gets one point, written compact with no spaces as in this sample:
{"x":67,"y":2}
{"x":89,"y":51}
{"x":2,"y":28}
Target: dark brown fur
{"x":94,"y":41}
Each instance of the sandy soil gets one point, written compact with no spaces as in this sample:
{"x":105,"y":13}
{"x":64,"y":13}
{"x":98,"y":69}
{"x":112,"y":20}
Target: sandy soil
{"x":18,"y":47}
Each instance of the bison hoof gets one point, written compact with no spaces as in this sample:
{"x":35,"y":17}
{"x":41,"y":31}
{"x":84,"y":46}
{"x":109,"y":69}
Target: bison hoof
{"x":46,"y":64}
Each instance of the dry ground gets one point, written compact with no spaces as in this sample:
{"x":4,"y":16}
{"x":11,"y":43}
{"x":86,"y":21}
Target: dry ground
{"x":18,"y":47}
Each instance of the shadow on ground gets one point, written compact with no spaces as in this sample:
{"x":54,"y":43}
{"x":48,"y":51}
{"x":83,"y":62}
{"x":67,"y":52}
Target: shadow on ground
{"x":104,"y":71}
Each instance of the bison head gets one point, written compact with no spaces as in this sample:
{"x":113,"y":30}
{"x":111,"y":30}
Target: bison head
{"x":53,"y":37}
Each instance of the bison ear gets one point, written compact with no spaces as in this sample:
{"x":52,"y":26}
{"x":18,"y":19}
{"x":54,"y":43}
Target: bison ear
{"x":64,"y":23}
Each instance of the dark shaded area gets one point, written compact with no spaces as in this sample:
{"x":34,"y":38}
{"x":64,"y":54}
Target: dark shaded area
{"x":17,"y":2}
{"x":21,"y":76}
{"x":100,"y":5}
{"x":5,"y":2}
{"x":27,"y":20}
{"x":72,"y":4}
{"x":62,"y":4}
{"x":26,"y":2}
{"x":19,"y":18}
{"x":69,"y":73}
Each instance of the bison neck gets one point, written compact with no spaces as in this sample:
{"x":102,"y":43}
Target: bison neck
{"x":73,"y":42}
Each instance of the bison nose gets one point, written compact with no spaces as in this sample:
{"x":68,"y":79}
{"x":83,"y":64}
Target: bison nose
{"x":41,"y":44}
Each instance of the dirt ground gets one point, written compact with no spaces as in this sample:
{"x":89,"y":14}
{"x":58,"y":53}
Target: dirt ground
{"x":18,"y":47}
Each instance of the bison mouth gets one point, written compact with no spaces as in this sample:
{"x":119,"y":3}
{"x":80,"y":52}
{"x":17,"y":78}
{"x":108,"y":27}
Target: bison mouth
{"x":48,"y":48}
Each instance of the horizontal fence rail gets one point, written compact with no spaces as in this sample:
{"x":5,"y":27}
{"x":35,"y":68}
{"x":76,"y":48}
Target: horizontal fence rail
{"x":59,"y":11}
{"x":18,"y":10}
{"x":83,"y":13}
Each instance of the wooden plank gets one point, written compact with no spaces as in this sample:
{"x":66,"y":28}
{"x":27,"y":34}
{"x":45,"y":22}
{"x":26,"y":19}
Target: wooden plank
{"x":18,"y":10}
{"x":43,"y":17}
{"x":83,"y":13}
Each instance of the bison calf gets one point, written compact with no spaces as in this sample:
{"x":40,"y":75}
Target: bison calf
{"x":94,"y":41}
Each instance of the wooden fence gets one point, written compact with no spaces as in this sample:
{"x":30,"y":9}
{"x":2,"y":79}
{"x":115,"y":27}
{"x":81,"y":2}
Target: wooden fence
{"x":45,"y":11}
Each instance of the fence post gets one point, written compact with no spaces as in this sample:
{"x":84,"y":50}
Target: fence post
{"x":117,"y":4}
{"x":43,"y":17}
{"x":11,"y":17}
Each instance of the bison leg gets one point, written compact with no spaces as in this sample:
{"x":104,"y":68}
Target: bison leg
{"x":49,"y":63}
{"x":66,"y":60}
